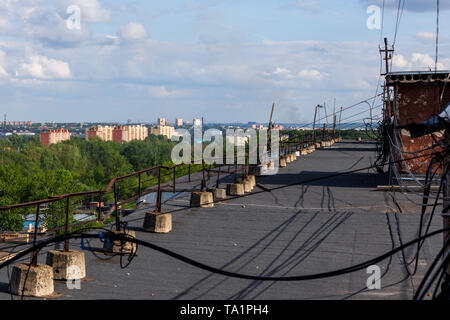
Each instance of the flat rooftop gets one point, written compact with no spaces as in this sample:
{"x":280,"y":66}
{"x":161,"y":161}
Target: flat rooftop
{"x":298,"y":230}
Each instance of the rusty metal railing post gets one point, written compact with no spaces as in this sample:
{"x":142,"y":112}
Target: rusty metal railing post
{"x":139,"y":185}
{"x":323,"y":133}
{"x":218,"y":177}
{"x":66,"y":228}
{"x":203,"y":186}
{"x":174,"y":178}
{"x":117,"y":209}
{"x":158,"y":196}
{"x":189,"y":172}
{"x":34,"y":254}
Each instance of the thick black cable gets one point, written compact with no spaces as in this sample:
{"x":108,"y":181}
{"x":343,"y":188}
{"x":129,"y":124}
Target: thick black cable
{"x":126,"y":238}
{"x":421,"y":290}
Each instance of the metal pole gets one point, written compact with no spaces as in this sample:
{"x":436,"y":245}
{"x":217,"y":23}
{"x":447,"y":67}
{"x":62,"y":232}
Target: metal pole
{"x":218,"y":178}
{"x":203,"y":176}
{"x":117,"y":209}
{"x":323,"y":133}
{"x":158,"y":196}
{"x":139,"y":185}
{"x":34,"y":254}
{"x":174,"y":178}
{"x":66,"y":242}
{"x":203,"y":187}
{"x":314,"y":125}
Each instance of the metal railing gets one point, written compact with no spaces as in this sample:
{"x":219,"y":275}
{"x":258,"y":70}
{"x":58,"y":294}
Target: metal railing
{"x":293,"y":144}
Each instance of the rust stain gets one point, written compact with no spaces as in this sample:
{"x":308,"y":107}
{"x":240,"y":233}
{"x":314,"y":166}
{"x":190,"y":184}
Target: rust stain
{"x":416,"y":103}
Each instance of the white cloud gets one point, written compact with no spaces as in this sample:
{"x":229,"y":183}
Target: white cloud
{"x":212,"y":76}
{"x":417,"y":62}
{"x":399,"y":61}
{"x":40,"y":67}
{"x":5,"y":25}
{"x":423,"y":60}
{"x":3,"y":72}
{"x":426,"y":36}
{"x":279,"y":70}
{"x":312,"y":74}
{"x":163,"y":92}
{"x":133,"y":32}
{"x":46,"y":21}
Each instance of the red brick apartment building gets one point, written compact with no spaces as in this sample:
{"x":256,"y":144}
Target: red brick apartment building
{"x":54,"y":136}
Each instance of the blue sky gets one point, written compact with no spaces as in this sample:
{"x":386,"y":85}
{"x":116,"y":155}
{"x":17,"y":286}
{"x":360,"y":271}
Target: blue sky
{"x":224,"y":60}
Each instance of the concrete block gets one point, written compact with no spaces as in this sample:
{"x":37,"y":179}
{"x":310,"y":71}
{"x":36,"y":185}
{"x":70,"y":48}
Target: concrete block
{"x":32,"y":281}
{"x":252,"y":179}
{"x":287,"y":159}
{"x":247,"y":185}
{"x":282,"y":162}
{"x":304,"y":152}
{"x":115,"y":246}
{"x":220,"y":194}
{"x":202,"y":200}
{"x":67,"y":265}
{"x":297,"y":153}
{"x":157,"y":222}
{"x":235,"y":189}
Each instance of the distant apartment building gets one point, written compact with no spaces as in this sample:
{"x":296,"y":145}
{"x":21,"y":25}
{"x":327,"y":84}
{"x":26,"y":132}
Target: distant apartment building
{"x":162,"y":130}
{"x":54,"y":136}
{"x":18,"y":123}
{"x":103,"y":132}
{"x":197,"y":122}
{"x":118,"y":133}
{"x":163,"y":122}
{"x":136,"y":132}
{"x":178,"y":122}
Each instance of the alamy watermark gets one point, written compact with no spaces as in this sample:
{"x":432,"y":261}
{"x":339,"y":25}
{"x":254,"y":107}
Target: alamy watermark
{"x":231,"y":151}
{"x":374,"y":280}
{"x":374,"y":20}
{"x":73,"y":22}
{"x":73,"y":282}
